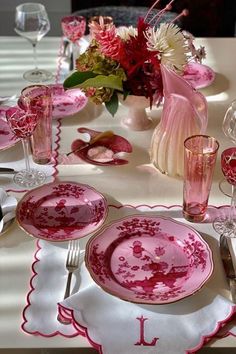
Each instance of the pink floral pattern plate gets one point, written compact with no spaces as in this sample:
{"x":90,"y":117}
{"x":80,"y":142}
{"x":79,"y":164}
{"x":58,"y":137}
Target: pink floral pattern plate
{"x":7,"y":138}
{"x":198,"y":75}
{"x":103,"y":152}
{"x":67,"y":102}
{"x":149,"y":259}
{"x":61,"y":211}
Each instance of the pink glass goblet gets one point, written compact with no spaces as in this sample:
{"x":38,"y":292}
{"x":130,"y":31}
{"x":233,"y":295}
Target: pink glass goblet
{"x":23,"y":124}
{"x":227,"y":225}
{"x":73,"y":28}
{"x":37,"y":99}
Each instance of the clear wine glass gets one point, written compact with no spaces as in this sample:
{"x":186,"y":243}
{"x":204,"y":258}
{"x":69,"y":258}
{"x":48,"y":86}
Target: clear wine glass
{"x":23,"y":124}
{"x":227,"y":225}
{"x":73,"y":28}
{"x":32,"y":23}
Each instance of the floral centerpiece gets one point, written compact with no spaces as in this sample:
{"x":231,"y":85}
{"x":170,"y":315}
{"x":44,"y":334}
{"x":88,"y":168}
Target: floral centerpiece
{"x":127,"y":60}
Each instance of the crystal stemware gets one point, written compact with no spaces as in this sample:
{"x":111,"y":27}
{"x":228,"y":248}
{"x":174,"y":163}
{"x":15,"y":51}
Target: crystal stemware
{"x":73,"y":28}
{"x":23,"y":125}
{"x":227,"y":225}
{"x":32,"y":23}
{"x":229,"y":129}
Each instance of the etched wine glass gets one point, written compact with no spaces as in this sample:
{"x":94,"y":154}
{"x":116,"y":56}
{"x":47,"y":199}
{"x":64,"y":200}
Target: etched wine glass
{"x":23,"y":124}
{"x":32,"y":23}
{"x":73,"y":28}
{"x":226,"y":225}
{"x":229,"y":129}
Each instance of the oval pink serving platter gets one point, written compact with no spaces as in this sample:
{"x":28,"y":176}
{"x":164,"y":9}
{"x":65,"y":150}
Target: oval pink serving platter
{"x":149,"y":259}
{"x":61,"y":211}
{"x":198,"y":75}
{"x":66,"y":102}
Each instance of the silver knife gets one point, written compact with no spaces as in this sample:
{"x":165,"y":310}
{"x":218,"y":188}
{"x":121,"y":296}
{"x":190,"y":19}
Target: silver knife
{"x":6,"y":170}
{"x":228,"y":265}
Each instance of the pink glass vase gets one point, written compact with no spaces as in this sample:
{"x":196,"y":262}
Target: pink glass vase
{"x":184,"y":114}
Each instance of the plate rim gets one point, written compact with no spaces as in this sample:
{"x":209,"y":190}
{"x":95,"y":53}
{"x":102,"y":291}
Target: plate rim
{"x":14,"y":143}
{"x":116,"y":221}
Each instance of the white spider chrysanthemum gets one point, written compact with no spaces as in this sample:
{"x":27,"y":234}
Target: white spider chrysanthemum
{"x":126,"y":32}
{"x":169,"y":41}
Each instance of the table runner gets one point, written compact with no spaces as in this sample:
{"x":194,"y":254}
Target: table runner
{"x":46,"y":291}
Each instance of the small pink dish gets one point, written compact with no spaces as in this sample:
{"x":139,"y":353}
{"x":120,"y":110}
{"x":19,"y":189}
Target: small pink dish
{"x":149,"y":259}
{"x":7,"y":138}
{"x":67,"y":102}
{"x":103,"y":152}
{"x":198,"y":75}
{"x":61,"y":211}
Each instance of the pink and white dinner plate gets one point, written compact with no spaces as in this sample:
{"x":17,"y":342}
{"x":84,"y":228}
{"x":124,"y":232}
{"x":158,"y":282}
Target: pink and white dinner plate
{"x":198,"y":75}
{"x":61,"y":211}
{"x":67,"y":102}
{"x":7,"y":138}
{"x":149,"y":259}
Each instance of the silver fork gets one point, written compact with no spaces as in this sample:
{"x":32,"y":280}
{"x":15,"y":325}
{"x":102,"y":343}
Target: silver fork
{"x":72,"y":263}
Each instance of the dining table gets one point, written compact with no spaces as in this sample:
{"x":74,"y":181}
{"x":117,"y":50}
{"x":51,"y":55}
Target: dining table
{"x":136,"y":183}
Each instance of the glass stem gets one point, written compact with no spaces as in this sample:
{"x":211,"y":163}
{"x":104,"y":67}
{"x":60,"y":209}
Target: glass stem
{"x":25,"y":143}
{"x":232,"y":206}
{"x":35,"y":56}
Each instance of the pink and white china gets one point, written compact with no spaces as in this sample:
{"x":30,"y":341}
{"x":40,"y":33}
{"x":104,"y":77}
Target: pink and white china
{"x":198,"y":75}
{"x":67,"y":103}
{"x":7,"y":138}
{"x":149,"y":259}
{"x":61,"y":211}
{"x":104,"y":152}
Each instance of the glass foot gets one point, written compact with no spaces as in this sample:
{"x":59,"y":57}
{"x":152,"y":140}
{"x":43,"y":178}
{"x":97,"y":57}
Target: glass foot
{"x":29,"y":179}
{"x":38,"y":75}
{"x":225,"y":226}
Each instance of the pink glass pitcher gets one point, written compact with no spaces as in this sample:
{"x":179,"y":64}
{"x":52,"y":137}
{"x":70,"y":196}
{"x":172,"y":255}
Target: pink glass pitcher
{"x":184,"y":114}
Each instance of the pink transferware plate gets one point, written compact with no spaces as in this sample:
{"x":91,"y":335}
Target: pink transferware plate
{"x":103,"y":152}
{"x":61,"y":211}
{"x":67,"y":102}
{"x":7,"y":138}
{"x":149,"y":259}
{"x":198,"y":75}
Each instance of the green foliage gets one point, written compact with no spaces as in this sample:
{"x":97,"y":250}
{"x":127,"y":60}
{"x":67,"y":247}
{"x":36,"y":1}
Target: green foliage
{"x":112,"y":105}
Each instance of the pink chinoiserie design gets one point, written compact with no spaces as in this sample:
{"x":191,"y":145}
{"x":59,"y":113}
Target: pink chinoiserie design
{"x":7,"y":138}
{"x":61,"y":211}
{"x":104,"y":152}
{"x":151,"y":260}
{"x":66,"y":103}
{"x":198,"y":75}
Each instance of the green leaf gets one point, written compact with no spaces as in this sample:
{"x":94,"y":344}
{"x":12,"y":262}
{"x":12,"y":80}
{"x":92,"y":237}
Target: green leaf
{"x":110,"y":81}
{"x":77,"y":78}
{"x":112,"y":105}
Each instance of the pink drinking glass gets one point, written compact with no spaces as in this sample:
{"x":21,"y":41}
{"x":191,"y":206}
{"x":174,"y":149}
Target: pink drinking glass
{"x":227,"y":225}
{"x":23,"y":124}
{"x":37,"y":99}
{"x":73,"y":28}
{"x":200,"y":153}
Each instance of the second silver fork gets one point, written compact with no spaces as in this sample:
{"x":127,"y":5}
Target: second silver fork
{"x":72,"y":264}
